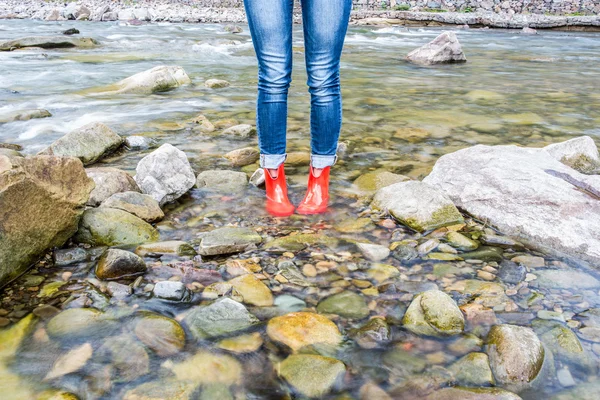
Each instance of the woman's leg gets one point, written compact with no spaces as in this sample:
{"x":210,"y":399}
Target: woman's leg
{"x":325,"y":23}
{"x":270,"y":23}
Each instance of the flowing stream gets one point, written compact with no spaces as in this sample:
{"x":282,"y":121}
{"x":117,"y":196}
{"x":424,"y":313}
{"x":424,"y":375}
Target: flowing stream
{"x":530,"y":90}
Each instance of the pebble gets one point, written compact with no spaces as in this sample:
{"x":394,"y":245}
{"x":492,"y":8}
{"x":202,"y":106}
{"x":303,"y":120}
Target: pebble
{"x":565,"y":378}
{"x":486,"y":275}
{"x":4,"y":321}
{"x":530,"y":277}
{"x":529,"y":261}
{"x":170,"y":290}
{"x":309,"y":270}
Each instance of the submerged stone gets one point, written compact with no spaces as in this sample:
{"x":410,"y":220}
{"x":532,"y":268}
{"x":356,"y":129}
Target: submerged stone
{"x":300,"y":329}
{"x":76,"y":323}
{"x":228,"y":240}
{"x":253,"y":290}
{"x":312,"y":375}
{"x":129,"y":357}
{"x":242,"y":344}
{"x":464,"y":393}
{"x":222,"y":317}
{"x":461,"y":242}
{"x":373,"y":252}
{"x":138,"y":204}
{"x":205,"y":368}
{"x":162,"y":389}
{"x":346,"y":304}
{"x":112,"y":227}
{"x":116,"y":263}
{"x":227,"y":182}
{"x":566,"y":279}
{"x":301,"y":241}
{"x":173,"y":247}
{"x":172,"y":290}
{"x":376,"y":332}
{"x":473,"y":370}
{"x":162,"y":335}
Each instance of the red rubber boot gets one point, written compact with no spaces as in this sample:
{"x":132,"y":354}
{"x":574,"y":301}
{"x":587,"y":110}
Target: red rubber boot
{"x":317,"y":194}
{"x":278,"y":203}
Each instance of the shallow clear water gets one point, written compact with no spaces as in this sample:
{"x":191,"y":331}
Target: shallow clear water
{"x":529,"y":90}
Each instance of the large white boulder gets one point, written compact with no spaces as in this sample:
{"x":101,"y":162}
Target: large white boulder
{"x":443,"y":49}
{"x":155,"y":80}
{"x":165,"y":174}
{"x":527,"y":193}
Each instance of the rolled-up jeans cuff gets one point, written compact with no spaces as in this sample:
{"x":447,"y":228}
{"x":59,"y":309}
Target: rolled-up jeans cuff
{"x":318,"y":161}
{"x":272,"y":161}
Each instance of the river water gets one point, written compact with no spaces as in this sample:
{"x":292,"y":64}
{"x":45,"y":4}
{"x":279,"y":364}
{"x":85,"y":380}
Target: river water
{"x":514,"y":89}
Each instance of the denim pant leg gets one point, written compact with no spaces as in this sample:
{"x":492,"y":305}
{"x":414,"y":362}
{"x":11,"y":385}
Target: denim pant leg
{"x":325,"y":23}
{"x":270,"y":24}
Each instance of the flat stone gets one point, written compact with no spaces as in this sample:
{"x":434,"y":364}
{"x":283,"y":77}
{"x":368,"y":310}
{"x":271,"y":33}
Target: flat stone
{"x":171,"y":290}
{"x":530,"y":261}
{"x":222,"y":181}
{"x":75,"y":323}
{"x":243,"y":157}
{"x":48,"y":42}
{"x":222,"y":317}
{"x":511,"y":272}
{"x":300,"y":329}
{"x":23,"y":115}
{"x":162,"y":335}
{"x":473,"y":370}
{"x":373,"y":252}
{"x":228,"y":240}
{"x":346,"y":304}
{"x":461,"y":242}
{"x":464,"y":393}
{"x":112,"y":227}
{"x":172,"y":247}
{"x":242,"y":344}
{"x":109,"y":181}
{"x":138,"y":204}
{"x":253,"y":290}
{"x":241,"y":131}
{"x":89,"y":143}
{"x":566,"y":279}
{"x":312,"y":375}
{"x":216,"y":83}
{"x":417,"y":205}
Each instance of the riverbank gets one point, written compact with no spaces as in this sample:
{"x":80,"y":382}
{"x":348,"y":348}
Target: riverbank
{"x":232,"y":12}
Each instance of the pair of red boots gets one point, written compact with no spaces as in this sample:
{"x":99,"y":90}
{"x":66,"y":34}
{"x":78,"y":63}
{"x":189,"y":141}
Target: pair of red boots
{"x":315,"y":201}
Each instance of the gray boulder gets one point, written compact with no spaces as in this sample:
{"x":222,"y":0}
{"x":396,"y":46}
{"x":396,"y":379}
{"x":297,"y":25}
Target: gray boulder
{"x":222,"y":181}
{"x":417,"y":205}
{"x":443,"y":49}
{"x":42,"y":199}
{"x":222,"y":317}
{"x":527,"y":194}
{"x":89,"y":143}
{"x":108,"y":182}
{"x":165,"y":174}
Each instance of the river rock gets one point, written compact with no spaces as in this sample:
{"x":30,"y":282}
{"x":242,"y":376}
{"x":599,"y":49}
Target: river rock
{"x":551,"y":207}
{"x":207,"y":368}
{"x":511,"y":272}
{"x":242,"y":344}
{"x":417,"y":205}
{"x":433,"y":313}
{"x":173,"y":247}
{"x":11,"y":338}
{"x":222,"y":317}
{"x":42,"y":199}
{"x":48,"y":42}
{"x":158,"y":79}
{"x":373,"y":252}
{"x":443,"y":49}
{"x":473,"y":370}
{"x":165,"y":174}
{"x":222,"y":181}
{"x":116,"y":264}
{"x":312,"y":375}
{"x":108,"y":182}
{"x":566,"y":279}
{"x":461,"y":242}
{"x":243,"y":157}
{"x":242,"y":131}
{"x":516,"y":356}
{"x":162,"y":335}
{"x":75,"y":323}
{"x":253,"y":290}
{"x":579,"y":153}
{"x":171,"y":290}
{"x":346,"y":304}
{"x":128,"y":357}
{"x":137,"y":142}
{"x":10,"y":153}
{"x":464,"y":393}
{"x":138,"y":204}
{"x":228,"y":240}
{"x":216,"y":83}
{"x":112,"y":227}
{"x":370,"y":182}
{"x":89,"y":143}
{"x":300,"y":329}
{"x":567,"y":348}
{"x":25,"y":115}
{"x":376,"y":332}
{"x":161,"y":389}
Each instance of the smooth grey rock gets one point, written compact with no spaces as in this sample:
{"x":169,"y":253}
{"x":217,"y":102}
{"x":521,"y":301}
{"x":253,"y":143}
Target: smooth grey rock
{"x":511,"y":272}
{"x":109,"y":181}
{"x":473,"y":370}
{"x":346,"y":304}
{"x":165,"y":174}
{"x":222,"y":181}
{"x":216,"y":83}
{"x":443,"y":49}
{"x":243,"y":157}
{"x":172,"y":247}
{"x":25,"y":115}
{"x":433,"y":313}
{"x":118,"y":290}
{"x":111,"y":227}
{"x":89,"y":143}
{"x":138,"y":204}
{"x":48,"y":42}
{"x":158,"y":79}
{"x":171,"y":290}
{"x":417,"y":205}
{"x":242,"y":130}
{"x":373,"y":252}
{"x":228,"y":240}
{"x":222,"y":317}
{"x":136,"y":142}
{"x":526,"y":193}
{"x":565,"y":279}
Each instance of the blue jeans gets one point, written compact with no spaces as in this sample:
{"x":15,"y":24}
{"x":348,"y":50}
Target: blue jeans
{"x":324,"y":23}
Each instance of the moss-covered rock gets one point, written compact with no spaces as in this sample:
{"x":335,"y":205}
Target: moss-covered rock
{"x":346,"y":304}
{"x":163,"y":335}
{"x":433,"y":313}
{"x":206,"y":368}
{"x":473,"y":370}
{"x":112,"y":227}
{"x":228,"y":240}
{"x":253,"y":290}
{"x":77,"y":323}
{"x":301,"y":241}
{"x":300,"y":329}
{"x":461,"y":242}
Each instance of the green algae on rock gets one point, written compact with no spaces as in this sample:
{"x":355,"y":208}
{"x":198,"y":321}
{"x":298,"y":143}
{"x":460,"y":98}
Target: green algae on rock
{"x":228,"y":240}
{"x":223,"y":317}
{"x":112,"y":227}
{"x":433,"y":313}
{"x":172,"y":247}
{"x":253,"y":290}
{"x":301,"y":241}
{"x":299,"y":329}
{"x":473,"y":370}
{"x":163,"y":335}
{"x":311,"y":375}
{"x":77,"y":322}
{"x":346,"y":304}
